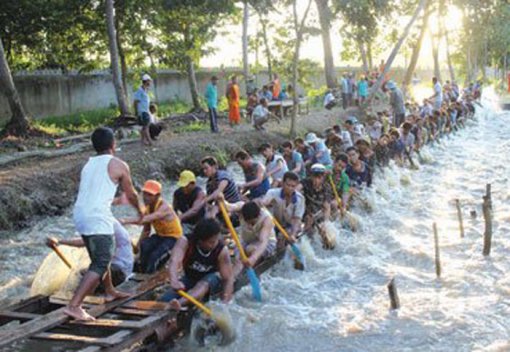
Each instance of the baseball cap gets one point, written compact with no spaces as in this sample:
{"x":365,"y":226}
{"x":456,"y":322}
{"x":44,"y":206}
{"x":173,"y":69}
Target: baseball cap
{"x":152,"y":187}
{"x":318,"y":169}
{"x":146,"y":77}
{"x":185,"y":178}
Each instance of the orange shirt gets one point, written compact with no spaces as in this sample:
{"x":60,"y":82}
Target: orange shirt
{"x":276,"y":88}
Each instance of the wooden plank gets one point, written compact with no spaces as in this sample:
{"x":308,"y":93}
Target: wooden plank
{"x":91,"y":349}
{"x":132,"y":311}
{"x":6,"y":316}
{"x":117,"y":323}
{"x":146,"y":305}
{"x":29,"y":305}
{"x":100,"y":341}
{"x":58,"y":317}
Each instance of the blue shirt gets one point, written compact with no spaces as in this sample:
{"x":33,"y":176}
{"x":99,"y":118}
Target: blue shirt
{"x":325,"y":158}
{"x":363,"y":88}
{"x":211,"y":95}
{"x":297,"y":159}
{"x":143,"y":101}
{"x":345,"y":85}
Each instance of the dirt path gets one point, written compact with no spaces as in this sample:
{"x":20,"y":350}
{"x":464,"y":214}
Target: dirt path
{"x":43,"y":187}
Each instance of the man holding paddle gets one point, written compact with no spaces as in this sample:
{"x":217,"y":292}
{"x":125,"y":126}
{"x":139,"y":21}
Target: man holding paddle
{"x":93,"y":217}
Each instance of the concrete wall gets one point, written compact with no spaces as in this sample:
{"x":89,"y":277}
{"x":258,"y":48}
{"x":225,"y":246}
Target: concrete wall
{"x":51,"y":93}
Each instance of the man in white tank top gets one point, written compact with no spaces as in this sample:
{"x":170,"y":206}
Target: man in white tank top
{"x":94,"y":219}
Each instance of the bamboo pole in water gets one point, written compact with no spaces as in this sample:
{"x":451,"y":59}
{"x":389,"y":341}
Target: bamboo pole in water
{"x":487,"y":236}
{"x":459,"y":215}
{"x":436,"y":245}
{"x":392,"y":290}
{"x":488,"y":194}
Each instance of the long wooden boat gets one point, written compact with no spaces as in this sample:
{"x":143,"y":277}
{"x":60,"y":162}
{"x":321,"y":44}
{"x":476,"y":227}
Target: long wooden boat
{"x":39,"y":324}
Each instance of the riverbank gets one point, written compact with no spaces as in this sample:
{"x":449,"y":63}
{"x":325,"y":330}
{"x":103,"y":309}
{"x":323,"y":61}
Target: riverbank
{"x":46,"y":187}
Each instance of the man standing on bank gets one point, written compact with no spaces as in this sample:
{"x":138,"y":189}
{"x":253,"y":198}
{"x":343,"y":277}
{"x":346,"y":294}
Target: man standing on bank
{"x":94,"y":220}
{"x":211,"y":95}
{"x":142,"y":102}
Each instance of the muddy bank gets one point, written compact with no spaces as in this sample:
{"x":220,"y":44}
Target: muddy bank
{"x":36,"y":188}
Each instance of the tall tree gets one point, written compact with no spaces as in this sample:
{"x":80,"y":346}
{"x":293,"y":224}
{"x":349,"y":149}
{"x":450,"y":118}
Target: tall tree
{"x":325,"y":17}
{"x":18,"y":124}
{"x":186,"y":27}
{"x":299,"y":30}
{"x":421,"y":5}
{"x":435,"y":38}
{"x":443,"y":9}
{"x":246,"y":65}
{"x":416,"y":50}
{"x":114,"y":59}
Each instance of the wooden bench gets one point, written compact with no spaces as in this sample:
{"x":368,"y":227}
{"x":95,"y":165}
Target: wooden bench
{"x":282,"y":105}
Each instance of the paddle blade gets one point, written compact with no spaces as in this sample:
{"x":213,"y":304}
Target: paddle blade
{"x":256,"y":291}
{"x":300,"y":259}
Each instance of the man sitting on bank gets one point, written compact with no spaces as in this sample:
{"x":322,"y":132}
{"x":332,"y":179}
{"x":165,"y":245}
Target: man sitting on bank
{"x":189,"y":201}
{"x":154,"y":250}
{"x":257,"y":233}
{"x":206,"y":264}
{"x":287,"y":204}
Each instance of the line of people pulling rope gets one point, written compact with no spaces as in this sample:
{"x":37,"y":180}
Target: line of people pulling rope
{"x":311,"y":183}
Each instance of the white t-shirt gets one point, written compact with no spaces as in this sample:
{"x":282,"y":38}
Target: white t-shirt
{"x":283,"y":212}
{"x":375,"y":131}
{"x":328,"y":98}
{"x":259,"y":112}
{"x":438,"y":90}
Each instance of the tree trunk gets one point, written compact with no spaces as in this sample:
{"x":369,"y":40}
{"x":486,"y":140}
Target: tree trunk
{"x":435,"y":55}
{"x":246,"y":68}
{"x":325,"y":22}
{"x":363,"y":54}
{"x":394,"y":52}
{"x":298,"y":28}
{"x":114,"y":58}
{"x":18,"y":124}
{"x":192,"y":80}
{"x":369,"y":56}
{"x":122,"y":57}
{"x":416,"y":51}
{"x":263,"y":22}
{"x":444,"y":10}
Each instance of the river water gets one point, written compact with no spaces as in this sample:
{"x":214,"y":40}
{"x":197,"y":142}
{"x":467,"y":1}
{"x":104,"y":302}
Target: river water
{"x":340,"y":303}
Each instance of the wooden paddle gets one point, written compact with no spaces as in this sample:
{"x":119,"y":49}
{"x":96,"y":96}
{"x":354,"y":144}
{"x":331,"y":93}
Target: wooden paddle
{"x":61,"y":255}
{"x":252,"y":276}
{"x":222,"y":321}
{"x":337,"y":197}
{"x":297,"y":252}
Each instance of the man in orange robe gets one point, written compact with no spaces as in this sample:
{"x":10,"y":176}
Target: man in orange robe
{"x":234,"y":114}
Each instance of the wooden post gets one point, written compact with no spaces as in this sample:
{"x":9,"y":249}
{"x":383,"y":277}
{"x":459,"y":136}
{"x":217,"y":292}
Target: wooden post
{"x":392,"y":290}
{"x":459,"y":215}
{"x":436,"y":245}
{"x":488,"y":194}
{"x":487,"y":236}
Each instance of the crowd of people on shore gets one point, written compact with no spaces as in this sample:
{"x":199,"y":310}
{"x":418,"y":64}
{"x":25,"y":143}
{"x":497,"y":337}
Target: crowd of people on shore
{"x":302,"y":185}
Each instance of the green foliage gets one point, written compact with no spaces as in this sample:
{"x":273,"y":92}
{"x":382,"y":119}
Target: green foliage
{"x":192,"y":127}
{"x":81,"y":122}
{"x":176,"y":106}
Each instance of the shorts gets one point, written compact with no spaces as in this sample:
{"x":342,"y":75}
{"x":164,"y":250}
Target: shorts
{"x":212,"y":279}
{"x":101,"y":249}
{"x":144,"y":119}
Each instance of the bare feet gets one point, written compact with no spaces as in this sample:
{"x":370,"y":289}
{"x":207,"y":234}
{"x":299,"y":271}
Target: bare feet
{"x":175,"y":305}
{"x":78,"y":313}
{"x":115,"y":295}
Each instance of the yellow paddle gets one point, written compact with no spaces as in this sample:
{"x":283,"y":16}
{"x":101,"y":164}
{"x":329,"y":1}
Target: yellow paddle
{"x":60,"y":255}
{"x":299,"y":256}
{"x":337,"y":197}
{"x":222,"y":321}
{"x":252,"y":276}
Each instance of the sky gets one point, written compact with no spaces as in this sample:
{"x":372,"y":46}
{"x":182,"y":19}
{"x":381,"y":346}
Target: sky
{"x":229,"y":46}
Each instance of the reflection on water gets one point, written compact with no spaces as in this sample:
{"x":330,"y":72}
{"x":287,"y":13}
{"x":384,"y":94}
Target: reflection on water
{"x":340,"y":303}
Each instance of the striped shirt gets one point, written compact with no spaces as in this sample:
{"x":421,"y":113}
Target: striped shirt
{"x":231,"y":193}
